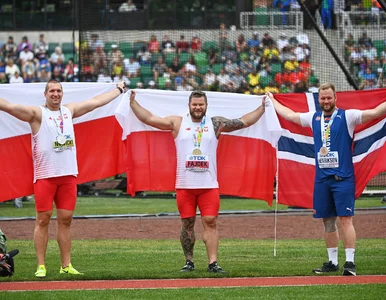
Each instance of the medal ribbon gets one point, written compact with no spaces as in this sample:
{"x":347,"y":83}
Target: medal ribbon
{"x":198,"y":138}
{"x":61,"y":124}
{"x":326,"y":131}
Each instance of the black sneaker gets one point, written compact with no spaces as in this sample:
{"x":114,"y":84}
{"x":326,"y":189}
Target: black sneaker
{"x":215,"y":268}
{"x":327,"y":267}
{"x":189,"y":266}
{"x":349,"y":269}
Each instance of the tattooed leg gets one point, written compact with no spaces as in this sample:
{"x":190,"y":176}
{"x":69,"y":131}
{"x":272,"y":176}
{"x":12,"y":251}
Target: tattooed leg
{"x":188,"y":237}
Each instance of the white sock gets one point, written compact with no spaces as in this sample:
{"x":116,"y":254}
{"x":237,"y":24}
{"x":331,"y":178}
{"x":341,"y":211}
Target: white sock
{"x":350,"y":254}
{"x":333,"y":255}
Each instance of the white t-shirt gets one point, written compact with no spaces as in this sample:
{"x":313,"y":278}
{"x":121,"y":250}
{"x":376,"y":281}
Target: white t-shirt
{"x":353,"y":118}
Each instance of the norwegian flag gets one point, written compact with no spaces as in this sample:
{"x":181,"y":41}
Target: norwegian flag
{"x":296,"y":157}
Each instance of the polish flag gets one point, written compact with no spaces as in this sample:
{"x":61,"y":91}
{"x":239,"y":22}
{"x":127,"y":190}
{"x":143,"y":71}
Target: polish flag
{"x":246,"y":158}
{"x":100,"y":151}
{"x":296,"y":158}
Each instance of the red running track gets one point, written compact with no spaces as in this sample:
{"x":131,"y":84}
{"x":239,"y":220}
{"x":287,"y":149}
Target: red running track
{"x":189,"y":283}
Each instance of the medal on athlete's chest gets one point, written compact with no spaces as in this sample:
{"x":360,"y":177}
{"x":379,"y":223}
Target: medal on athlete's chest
{"x":196,"y":161}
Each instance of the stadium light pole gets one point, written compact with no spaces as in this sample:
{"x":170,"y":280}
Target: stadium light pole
{"x":350,"y":79}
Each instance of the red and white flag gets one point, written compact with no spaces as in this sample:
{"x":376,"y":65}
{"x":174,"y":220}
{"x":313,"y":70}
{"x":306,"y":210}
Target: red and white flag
{"x":100,"y":150}
{"x":246,"y":159}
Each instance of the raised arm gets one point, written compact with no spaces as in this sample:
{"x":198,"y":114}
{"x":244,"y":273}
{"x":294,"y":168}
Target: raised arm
{"x":81,"y":108}
{"x":370,"y":114}
{"x":145,"y":116}
{"x":285,"y":112}
{"x":222,"y":124}
{"x":24,"y":113}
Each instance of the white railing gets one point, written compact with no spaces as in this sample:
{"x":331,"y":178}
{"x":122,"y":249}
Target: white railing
{"x":272,"y":20}
{"x":376,"y":20}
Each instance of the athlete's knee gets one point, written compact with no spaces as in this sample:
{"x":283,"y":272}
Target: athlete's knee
{"x":43,"y":218}
{"x":346,"y":221}
{"x":329,"y":224}
{"x":210,"y":222}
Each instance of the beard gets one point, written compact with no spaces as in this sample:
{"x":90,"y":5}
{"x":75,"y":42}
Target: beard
{"x":328,"y":108}
{"x":197,"y":115}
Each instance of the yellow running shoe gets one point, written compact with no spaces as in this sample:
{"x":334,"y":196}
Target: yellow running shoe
{"x":41,"y":272}
{"x":69,"y":270}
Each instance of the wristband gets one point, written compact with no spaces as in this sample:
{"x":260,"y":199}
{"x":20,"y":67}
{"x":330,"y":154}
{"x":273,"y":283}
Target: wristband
{"x":120,"y":89}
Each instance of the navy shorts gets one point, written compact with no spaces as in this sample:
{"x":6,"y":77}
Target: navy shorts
{"x":334,"y":197}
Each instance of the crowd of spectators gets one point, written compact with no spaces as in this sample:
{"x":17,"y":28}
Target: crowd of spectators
{"x":28,"y":62}
{"x":367,"y":60}
{"x":250,"y":65}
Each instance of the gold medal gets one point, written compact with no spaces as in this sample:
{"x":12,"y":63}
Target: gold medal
{"x":197,"y":151}
{"x":323,"y":151}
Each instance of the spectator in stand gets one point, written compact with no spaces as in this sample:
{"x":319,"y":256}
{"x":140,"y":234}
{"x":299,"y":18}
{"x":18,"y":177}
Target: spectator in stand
{"x":3,"y":78}
{"x":103,"y":77}
{"x":246,"y":66}
{"x":230,"y":67}
{"x":349,"y":45}
{"x":57,"y":75}
{"x":44,"y":65}
{"x":301,"y":87}
{"x":282,"y":41}
{"x":71,"y":71}
{"x":182,"y":45}
{"x":16,"y":78}
{"x":254,"y":41}
{"x":364,"y":39}
{"x":222,"y":37}
{"x":327,"y":9}
{"x":313,"y":88}
{"x":114,"y":56}
{"x":355,"y":56}
{"x":238,"y":80}
{"x":313,"y":79}
{"x":174,"y":67}
{"x":301,"y":52}
{"x":272,"y":88}
{"x":302,"y":38}
{"x":121,"y":77}
{"x":167,"y":43}
{"x":43,"y":76}
{"x":184,"y":86}
{"x":10,"y":49}
{"x":117,"y":69}
{"x":369,"y":75}
{"x":25,"y":55}
{"x":212,"y":56}
{"x":370,"y":53}
{"x":11,"y":68}
{"x":267,"y":40}
{"x":209,"y":80}
{"x":24,"y":42}
{"x":190,"y":65}
{"x":223,"y":81}
{"x":382,"y":57}
{"x":41,"y":44}
{"x":88,"y":72}
{"x":241,"y":44}
{"x":271,"y":53}
{"x":56,"y":55}
{"x":159,"y":68}
{"x":292,"y":64}
{"x":132,"y":67}
{"x":168,"y":85}
{"x":195,"y":44}
{"x":127,"y":6}
{"x":253,"y":79}
{"x":154,"y":46}
{"x":368,"y":84}
{"x":152,"y":85}
{"x":95,"y":42}
{"x":229,"y":54}
{"x":144,"y":56}
{"x":28,"y":70}
{"x":60,"y":66}
{"x":284,"y":7}
{"x":99,"y":59}
{"x":41,"y":54}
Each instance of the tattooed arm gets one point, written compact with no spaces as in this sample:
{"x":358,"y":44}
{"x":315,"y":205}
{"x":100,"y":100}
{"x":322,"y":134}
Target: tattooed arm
{"x":222,"y":124}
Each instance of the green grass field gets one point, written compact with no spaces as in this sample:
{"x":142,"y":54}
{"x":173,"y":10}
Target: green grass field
{"x":162,"y":259}
{"x":113,"y":205}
